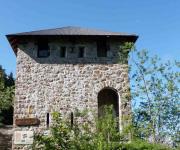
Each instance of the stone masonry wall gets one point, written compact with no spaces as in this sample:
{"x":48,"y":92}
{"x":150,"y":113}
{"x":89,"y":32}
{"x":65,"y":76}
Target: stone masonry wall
{"x":44,"y":85}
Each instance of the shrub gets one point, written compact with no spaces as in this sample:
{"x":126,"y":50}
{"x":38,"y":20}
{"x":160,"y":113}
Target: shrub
{"x":82,"y":137}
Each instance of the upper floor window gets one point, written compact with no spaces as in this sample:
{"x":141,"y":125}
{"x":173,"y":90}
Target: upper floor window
{"x":63,"y":51}
{"x":43,"y":49}
{"x":81,"y":52}
{"x":102,"y":48}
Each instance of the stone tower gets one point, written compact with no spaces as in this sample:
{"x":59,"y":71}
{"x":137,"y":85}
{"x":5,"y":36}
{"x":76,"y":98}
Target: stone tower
{"x":64,"y":69}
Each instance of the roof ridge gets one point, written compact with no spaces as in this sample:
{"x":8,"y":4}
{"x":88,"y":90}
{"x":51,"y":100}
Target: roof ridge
{"x":73,"y":30}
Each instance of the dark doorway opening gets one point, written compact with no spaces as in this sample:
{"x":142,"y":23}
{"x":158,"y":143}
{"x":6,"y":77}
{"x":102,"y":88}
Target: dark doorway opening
{"x":108,"y":97}
{"x":7,"y":116}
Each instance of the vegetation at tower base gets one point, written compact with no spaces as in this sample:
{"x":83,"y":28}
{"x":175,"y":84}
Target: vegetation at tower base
{"x":6,"y":96}
{"x":81,"y":136}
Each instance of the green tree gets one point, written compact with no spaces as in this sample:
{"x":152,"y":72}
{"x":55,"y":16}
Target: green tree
{"x":6,"y":91}
{"x":155,"y":91}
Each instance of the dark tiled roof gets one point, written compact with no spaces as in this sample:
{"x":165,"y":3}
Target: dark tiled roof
{"x":73,"y":31}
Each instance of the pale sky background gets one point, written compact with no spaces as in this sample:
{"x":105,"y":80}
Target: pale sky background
{"x":157,"y":22}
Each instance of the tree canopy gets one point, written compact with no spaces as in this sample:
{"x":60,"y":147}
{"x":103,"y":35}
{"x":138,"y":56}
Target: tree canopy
{"x":155,"y":91}
{"x":6,"y":91}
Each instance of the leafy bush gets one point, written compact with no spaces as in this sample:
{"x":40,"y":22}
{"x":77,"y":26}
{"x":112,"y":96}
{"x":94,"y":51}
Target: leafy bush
{"x":104,"y":136}
{"x":139,"y":144}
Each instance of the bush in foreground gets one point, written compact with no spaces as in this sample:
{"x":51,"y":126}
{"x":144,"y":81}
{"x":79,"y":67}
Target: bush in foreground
{"x":82,"y":136}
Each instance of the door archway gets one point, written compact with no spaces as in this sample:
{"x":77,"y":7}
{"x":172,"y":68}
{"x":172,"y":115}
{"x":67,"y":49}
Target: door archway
{"x":107,"y":97}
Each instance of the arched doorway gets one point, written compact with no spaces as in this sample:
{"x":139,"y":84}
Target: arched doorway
{"x":108,"y":96}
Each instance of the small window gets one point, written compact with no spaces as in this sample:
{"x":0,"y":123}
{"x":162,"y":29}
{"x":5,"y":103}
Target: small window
{"x":81,"y":52}
{"x":72,"y":119}
{"x":47,"y":120}
{"x":63,"y":51}
{"x":101,"y":48}
{"x":43,"y":49}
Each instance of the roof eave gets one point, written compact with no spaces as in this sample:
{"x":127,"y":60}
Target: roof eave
{"x":13,"y":38}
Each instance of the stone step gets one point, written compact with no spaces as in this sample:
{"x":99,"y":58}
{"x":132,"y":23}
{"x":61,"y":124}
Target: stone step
{"x":5,"y":138}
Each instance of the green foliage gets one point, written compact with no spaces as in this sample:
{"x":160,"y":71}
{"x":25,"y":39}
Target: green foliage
{"x":104,"y":135}
{"x":60,"y":137}
{"x":124,"y":51}
{"x":144,"y":145}
{"x":155,"y":91}
{"x":81,"y":136}
{"x":6,"y":91}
